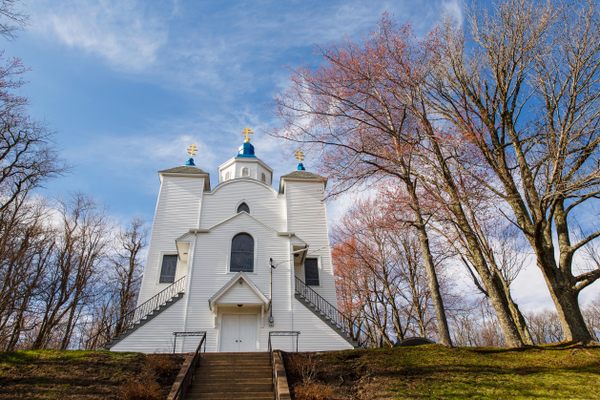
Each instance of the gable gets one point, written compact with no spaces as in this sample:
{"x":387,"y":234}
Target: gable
{"x":239,"y":290}
{"x":240,"y":294}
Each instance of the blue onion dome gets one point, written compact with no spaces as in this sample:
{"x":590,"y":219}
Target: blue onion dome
{"x":246,"y":150}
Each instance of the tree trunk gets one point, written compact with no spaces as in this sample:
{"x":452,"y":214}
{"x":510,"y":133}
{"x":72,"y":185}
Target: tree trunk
{"x":501,"y":306}
{"x":517,"y":316}
{"x":432,"y":280}
{"x":492,"y":281}
{"x":565,"y":298}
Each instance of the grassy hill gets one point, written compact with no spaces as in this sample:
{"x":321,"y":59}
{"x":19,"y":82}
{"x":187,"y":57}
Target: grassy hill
{"x":49,"y":374}
{"x":436,"y":372}
{"x":422,"y":372}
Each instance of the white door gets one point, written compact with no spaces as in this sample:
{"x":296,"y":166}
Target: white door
{"x":238,"y":332}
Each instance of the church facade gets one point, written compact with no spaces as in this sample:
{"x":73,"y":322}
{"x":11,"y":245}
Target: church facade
{"x":238,"y":261}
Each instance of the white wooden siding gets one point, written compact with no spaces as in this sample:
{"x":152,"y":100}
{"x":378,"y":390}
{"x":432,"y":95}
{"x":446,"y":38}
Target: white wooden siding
{"x":182,"y":205}
{"x":315,"y":334}
{"x":156,"y":335}
{"x":306,"y":217}
{"x":177,"y":211}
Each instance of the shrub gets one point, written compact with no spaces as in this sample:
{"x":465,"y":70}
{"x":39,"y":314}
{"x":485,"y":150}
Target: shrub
{"x":313,"y":391}
{"x":164,"y":367}
{"x":304,"y":366}
{"x":141,"y":390}
{"x":146,"y":386}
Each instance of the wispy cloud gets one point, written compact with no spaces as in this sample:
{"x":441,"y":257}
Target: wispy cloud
{"x":228,"y":49}
{"x":453,"y":9}
{"x":125,"y":33}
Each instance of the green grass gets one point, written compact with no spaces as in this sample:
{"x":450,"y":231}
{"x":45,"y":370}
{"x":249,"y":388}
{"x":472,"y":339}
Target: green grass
{"x":436,"y":372}
{"x":52,"y":374}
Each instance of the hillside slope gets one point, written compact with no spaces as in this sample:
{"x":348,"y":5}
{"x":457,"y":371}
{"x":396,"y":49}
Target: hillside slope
{"x":436,"y":372}
{"x":49,"y":374}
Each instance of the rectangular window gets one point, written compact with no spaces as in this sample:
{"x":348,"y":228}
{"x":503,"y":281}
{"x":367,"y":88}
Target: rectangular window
{"x":167,"y":270}
{"x":311,"y":271}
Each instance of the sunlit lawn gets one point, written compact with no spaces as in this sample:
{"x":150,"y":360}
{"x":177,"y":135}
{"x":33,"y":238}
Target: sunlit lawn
{"x":434,"y":371}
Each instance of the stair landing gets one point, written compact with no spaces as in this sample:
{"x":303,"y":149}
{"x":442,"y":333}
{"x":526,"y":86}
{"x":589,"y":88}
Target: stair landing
{"x":239,"y":376}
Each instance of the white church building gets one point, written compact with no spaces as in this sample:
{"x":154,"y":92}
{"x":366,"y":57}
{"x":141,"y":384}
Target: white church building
{"x":238,"y":261}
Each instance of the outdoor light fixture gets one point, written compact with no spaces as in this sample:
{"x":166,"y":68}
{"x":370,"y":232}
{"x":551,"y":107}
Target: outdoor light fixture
{"x":271,"y":320}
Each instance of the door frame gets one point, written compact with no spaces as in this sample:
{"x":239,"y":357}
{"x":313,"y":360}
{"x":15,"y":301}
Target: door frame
{"x":240,"y":312}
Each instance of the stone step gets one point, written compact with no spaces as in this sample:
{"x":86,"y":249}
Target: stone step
{"x":233,"y":381}
{"x":233,"y":360}
{"x":233,"y":356}
{"x":228,"y":396}
{"x":235,"y":364}
{"x":230,"y":388}
{"x":239,"y":364}
{"x":239,"y":376}
{"x":231,"y":374}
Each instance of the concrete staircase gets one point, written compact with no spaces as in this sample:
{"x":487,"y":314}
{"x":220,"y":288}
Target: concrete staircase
{"x":143,"y":320}
{"x":149,"y":309}
{"x":233,"y":376}
{"x":325,"y":311}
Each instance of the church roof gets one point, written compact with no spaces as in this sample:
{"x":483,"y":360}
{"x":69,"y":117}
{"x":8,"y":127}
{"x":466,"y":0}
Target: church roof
{"x":304,"y":175}
{"x":301,"y":176}
{"x":186,"y":170}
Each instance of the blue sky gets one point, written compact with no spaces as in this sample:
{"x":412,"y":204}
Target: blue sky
{"x":127,"y":85}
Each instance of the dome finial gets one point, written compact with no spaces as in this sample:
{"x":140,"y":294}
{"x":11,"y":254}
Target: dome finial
{"x":247,"y":132}
{"x":191,"y":150}
{"x":299,"y":155}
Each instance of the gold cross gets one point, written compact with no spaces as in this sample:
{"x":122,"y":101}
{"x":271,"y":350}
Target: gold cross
{"x":247,"y":132}
{"x":192,"y":149}
{"x":299,"y":155}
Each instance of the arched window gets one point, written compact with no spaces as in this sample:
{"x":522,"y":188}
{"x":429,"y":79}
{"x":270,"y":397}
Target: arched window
{"x":242,"y":253}
{"x":263,"y":177}
{"x":227,"y":175}
{"x":243,"y":207}
{"x":244,"y":171}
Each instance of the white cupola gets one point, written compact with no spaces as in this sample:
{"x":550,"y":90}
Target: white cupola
{"x":245,"y":164}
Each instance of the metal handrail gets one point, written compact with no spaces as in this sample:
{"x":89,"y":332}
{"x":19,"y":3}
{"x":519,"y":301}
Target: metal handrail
{"x":329,"y":311}
{"x":150,"y":305}
{"x":283,"y":333}
{"x":186,"y":334}
{"x":189,"y":374}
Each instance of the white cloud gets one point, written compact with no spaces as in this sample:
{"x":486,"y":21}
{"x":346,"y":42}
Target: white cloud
{"x":224,"y":52}
{"x":453,"y":9}
{"x":135,"y":151}
{"x":124,"y":33}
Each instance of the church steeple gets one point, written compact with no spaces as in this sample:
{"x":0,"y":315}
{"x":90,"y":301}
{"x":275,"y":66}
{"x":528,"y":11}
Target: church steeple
{"x":246,"y":149}
{"x":299,"y":154}
{"x":191,"y":150}
{"x":245,"y":164}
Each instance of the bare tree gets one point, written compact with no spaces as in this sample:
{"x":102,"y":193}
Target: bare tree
{"x":26,"y":245}
{"x":368,"y":108}
{"x":366,"y":134}
{"x":526,"y":98}
{"x":381,"y":276}
{"x":128,"y":269}
{"x":11,"y":19}
{"x":591,"y":313}
{"x":477,"y":325}
{"x":81,"y":247}
{"x":545,"y":327}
